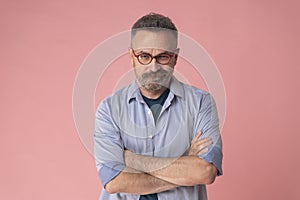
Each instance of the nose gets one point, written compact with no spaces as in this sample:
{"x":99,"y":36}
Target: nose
{"x":154,"y":66}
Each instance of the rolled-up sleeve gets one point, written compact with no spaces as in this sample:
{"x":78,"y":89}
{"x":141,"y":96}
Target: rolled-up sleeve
{"x":108,"y":146}
{"x":208,"y":122}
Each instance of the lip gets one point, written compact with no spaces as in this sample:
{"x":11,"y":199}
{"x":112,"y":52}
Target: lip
{"x":156,"y":79}
{"x":159,"y":77}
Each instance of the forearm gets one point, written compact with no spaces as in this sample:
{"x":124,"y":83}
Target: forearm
{"x":185,"y":170}
{"x":135,"y":182}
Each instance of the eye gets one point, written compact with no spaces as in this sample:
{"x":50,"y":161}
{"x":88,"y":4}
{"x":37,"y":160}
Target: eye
{"x":163,"y":57}
{"x":144,"y":56}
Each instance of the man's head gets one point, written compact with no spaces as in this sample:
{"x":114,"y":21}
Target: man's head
{"x":154,"y":51}
{"x":155,"y":23}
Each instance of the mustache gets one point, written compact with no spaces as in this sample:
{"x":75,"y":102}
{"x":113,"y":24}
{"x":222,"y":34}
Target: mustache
{"x":159,"y":73}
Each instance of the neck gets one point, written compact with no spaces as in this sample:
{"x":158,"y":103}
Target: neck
{"x":152,"y":94}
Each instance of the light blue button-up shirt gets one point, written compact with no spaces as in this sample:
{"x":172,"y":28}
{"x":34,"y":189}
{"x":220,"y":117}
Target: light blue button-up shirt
{"x":124,"y":121}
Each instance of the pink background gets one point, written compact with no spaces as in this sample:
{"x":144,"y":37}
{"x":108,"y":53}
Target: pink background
{"x":255,"y":45}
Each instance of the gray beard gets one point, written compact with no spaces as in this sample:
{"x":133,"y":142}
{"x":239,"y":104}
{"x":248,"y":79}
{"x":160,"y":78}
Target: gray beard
{"x":152,"y":87}
{"x":164,"y":78}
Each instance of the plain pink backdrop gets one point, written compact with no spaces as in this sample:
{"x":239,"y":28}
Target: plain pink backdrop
{"x":255,"y":45}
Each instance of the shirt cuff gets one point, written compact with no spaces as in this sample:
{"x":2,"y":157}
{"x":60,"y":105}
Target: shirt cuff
{"x":109,"y":171}
{"x":214,"y":157}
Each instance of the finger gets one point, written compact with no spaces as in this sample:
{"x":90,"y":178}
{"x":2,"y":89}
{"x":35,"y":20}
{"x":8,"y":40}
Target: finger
{"x":200,"y":151}
{"x":204,"y":141}
{"x":201,"y":145}
{"x":203,"y":151}
{"x":204,"y":145}
{"x":195,"y":139}
{"x":197,"y":136}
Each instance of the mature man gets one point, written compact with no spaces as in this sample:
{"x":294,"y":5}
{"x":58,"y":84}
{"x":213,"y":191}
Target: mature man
{"x":157,"y":138}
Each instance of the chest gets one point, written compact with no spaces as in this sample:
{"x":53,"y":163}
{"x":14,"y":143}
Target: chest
{"x":169,"y":136}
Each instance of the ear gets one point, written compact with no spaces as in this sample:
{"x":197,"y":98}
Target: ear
{"x":131,"y":57}
{"x":176,"y":52}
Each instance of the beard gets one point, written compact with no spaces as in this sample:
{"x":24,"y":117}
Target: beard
{"x":154,"y":81}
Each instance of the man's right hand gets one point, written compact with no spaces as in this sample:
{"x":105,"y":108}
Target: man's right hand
{"x":199,"y":147}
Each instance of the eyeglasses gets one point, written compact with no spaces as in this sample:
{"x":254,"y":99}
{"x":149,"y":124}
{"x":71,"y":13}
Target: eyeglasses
{"x":146,"y":58}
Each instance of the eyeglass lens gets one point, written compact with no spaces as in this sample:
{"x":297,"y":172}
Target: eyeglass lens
{"x":145,"y":58}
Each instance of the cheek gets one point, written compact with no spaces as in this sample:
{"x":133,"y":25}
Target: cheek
{"x":173,"y":63}
{"x":169,"y":68}
{"x":138,"y":70}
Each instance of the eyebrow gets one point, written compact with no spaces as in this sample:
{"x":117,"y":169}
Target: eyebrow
{"x":165,"y":52}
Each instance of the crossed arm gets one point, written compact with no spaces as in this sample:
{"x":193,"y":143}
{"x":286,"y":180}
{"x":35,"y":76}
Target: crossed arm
{"x":146,"y":174}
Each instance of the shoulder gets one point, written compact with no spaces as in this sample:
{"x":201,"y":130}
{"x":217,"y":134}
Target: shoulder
{"x":119,"y":97}
{"x":192,"y":93}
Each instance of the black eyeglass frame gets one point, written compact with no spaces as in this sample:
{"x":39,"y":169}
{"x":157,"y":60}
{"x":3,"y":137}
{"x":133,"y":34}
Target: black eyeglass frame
{"x":171,"y":55}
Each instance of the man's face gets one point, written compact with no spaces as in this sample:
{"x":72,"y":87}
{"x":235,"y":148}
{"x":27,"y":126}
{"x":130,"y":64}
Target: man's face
{"x":153,"y":76}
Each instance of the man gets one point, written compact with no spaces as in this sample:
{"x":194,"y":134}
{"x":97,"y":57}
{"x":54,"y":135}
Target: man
{"x":157,"y":138}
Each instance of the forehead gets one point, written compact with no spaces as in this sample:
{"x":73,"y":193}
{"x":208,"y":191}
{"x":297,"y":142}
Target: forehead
{"x":164,"y":40}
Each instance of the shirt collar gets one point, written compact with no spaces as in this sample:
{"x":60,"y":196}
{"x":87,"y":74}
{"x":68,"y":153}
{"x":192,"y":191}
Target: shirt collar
{"x":134,"y":92}
{"x":176,"y":88}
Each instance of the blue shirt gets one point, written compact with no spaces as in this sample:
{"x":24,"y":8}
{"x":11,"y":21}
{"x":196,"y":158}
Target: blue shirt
{"x":124,"y":121}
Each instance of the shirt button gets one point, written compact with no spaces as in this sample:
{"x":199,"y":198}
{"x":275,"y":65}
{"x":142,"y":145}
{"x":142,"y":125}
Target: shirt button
{"x":149,"y":112}
{"x":150,"y":136}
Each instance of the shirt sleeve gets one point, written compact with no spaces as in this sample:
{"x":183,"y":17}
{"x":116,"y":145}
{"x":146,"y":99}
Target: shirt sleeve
{"x":208,"y":122}
{"x":108,"y":146}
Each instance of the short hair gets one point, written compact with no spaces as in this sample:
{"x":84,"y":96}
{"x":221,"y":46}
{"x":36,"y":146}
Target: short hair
{"x":154,"y":22}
